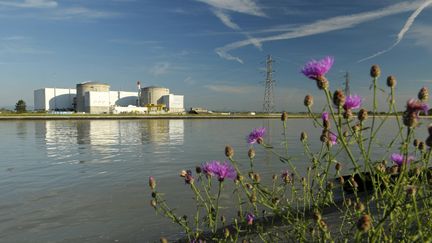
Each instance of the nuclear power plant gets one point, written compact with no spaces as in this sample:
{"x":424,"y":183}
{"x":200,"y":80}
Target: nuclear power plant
{"x":96,"y":98}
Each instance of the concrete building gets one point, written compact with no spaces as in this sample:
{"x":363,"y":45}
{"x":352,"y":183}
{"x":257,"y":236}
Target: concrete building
{"x":55,"y":99}
{"x":152,"y":95}
{"x":173,"y":103}
{"x":98,"y":100}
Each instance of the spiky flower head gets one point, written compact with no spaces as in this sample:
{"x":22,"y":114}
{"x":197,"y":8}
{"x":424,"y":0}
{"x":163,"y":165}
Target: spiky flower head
{"x":391,"y":81}
{"x":352,"y":102}
{"x":423,"y":94}
{"x":317,"y":69}
{"x":220,"y":170}
{"x":375,"y":71}
{"x":332,"y":138}
{"x":416,"y":106}
{"x":256,"y":134}
{"x":250,"y":218}
{"x":308,"y":100}
{"x":400,"y":159}
{"x":338,"y":98}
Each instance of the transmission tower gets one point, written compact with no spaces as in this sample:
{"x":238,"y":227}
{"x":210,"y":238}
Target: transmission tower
{"x":347,"y":88}
{"x":269,"y":105}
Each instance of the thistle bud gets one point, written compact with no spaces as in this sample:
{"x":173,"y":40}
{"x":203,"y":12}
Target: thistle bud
{"x":364,"y":223}
{"x":239,"y":177}
{"x":416,"y":143}
{"x":249,"y":186}
{"x":322,"y":224}
{"x":153,"y":203}
{"x":423,"y":94}
{"x":198,"y":169}
{"x":189,"y":179}
{"x":359,"y":207}
{"x":326,"y":124}
{"x":391,"y":81}
{"x":348,"y":114}
{"x":339,"y":98}
{"x":411,"y":190}
{"x":375,"y":71}
{"x":362,"y":115}
{"x":183,"y":173}
{"x":229,"y":151}
{"x":338,"y":166}
{"x":251,"y":153}
{"x":274,"y":177}
{"x":330,"y":186}
{"x":393,"y":170}
{"x":303,"y":136}
{"x":153,"y":194}
{"x":410,"y":119}
{"x":356,"y":128}
{"x":322,"y":82}
{"x":380,"y":167}
{"x":341,"y":180}
{"x":284,"y":116}
{"x":257,"y":177}
{"x":308,"y":100}
{"x":422,"y":145}
{"x":152,"y":182}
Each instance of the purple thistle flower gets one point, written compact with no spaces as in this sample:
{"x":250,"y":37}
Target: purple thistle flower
{"x":414,"y":105}
{"x":352,"y":102}
{"x":399,"y":159}
{"x":314,"y":69}
{"x":325,"y":116}
{"x":332,"y":138}
{"x":221,"y":170}
{"x":256,"y":134}
{"x":250,"y":218}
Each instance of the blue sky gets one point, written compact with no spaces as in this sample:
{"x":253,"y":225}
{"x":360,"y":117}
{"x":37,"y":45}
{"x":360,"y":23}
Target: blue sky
{"x":212,"y":51}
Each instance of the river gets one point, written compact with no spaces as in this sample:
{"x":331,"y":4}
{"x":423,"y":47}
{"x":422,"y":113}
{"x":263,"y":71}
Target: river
{"x":87,"y":180}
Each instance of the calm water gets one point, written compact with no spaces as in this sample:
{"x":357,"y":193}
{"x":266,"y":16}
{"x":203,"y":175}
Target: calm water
{"x":87,"y":181}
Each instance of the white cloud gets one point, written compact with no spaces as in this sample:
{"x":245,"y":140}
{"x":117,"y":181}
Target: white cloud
{"x":30,"y":3}
{"x":402,"y":32}
{"x":160,"y":69}
{"x":241,"y":6}
{"x":229,"y":89}
{"x":133,"y":42}
{"x":422,"y":36}
{"x":321,"y":26}
{"x":226,"y":20}
{"x":81,"y":12}
{"x":189,"y":80}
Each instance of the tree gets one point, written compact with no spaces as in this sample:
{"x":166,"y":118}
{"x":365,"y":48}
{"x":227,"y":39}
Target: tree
{"x":20,"y":106}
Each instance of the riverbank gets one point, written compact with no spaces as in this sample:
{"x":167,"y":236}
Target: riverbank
{"x":143,"y":117}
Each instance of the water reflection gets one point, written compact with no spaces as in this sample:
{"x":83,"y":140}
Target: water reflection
{"x":106,"y":136}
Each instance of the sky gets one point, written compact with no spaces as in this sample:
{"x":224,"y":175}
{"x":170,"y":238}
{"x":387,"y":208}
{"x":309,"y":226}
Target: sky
{"x":213,"y":51}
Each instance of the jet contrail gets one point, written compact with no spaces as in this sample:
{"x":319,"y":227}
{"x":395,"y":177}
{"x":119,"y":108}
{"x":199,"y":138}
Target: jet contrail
{"x":324,"y":26}
{"x":403,"y":31}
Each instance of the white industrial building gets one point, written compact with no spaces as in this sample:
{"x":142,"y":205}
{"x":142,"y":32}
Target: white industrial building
{"x":96,"y":98}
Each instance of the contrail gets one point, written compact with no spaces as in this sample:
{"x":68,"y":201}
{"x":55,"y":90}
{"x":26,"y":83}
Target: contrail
{"x":403,"y":31}
{"x":324,"y":26}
